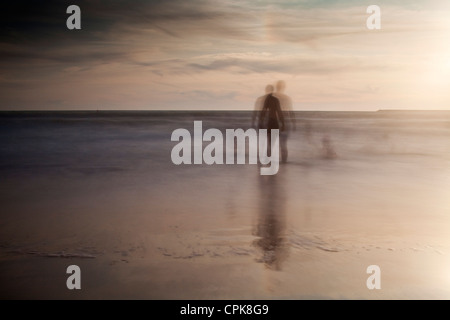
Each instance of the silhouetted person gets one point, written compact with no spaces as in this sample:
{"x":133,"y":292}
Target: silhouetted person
{"x":271,"y":117}
{"x":259,"y":103}
{"x":286,"y":107}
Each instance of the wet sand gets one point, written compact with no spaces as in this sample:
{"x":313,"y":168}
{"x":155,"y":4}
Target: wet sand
{"x":154,"y":230}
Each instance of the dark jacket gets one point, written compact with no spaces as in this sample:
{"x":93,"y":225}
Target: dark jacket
{"x":271,"y":116}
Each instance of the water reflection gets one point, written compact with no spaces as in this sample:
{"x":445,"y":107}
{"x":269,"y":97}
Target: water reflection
{"x":271,"y":222}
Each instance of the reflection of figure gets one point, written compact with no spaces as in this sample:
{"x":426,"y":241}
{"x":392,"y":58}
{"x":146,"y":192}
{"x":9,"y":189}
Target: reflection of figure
{"x":270,"y":116}
{"x":286,"y":107}
{"x":270,"y":226}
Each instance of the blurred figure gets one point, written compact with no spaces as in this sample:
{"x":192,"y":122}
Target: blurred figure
{"x":327,"y":148}
{"x":271,"y":117}
{"x":286,"y":107}
{"x":259,"y":103}
{"x":270,"y":228}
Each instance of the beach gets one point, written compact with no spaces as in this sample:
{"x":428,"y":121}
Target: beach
{"x":99,"y":190}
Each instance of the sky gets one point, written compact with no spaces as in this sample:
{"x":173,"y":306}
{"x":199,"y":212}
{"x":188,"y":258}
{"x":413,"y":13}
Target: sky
{"x":220,"y":54}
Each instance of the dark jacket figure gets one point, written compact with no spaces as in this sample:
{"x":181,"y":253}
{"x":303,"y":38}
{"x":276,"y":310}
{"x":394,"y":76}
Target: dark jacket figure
{"x":271,"y":115}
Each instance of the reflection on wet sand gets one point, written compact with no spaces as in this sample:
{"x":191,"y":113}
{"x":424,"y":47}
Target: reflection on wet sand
{"x":271,"y":225}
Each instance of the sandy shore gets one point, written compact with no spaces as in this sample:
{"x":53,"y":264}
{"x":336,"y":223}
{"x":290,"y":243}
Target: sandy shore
{"x":281,"y":240}
{"x":140,"y":227}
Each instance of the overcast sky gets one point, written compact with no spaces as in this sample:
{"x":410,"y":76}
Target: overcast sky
{"x":221,"y":54}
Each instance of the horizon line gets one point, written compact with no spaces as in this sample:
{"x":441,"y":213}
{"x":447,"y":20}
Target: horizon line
{"x":215,"y":110}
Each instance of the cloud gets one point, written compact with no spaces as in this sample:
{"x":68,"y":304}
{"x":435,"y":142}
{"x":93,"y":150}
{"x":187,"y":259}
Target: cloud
{"x":112,"y":31}
{"x":208,"y":95}
{"x":222,"y":47}
{"x":250,"y":63}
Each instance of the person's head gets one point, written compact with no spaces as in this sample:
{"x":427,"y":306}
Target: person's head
{"x":269,"y":89}
{"x":281,"y":85}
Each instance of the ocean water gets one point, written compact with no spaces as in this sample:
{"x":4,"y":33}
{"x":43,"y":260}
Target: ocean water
{"x":358,"y":188}
{"x":39,"y":141}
